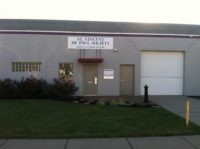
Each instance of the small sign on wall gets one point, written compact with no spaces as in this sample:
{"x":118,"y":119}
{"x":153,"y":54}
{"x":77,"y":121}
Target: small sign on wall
{"x":108,"y":74}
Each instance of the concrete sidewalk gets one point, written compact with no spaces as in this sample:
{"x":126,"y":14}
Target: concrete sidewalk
{"x":176,"y":104}
{"x":176,"y":142}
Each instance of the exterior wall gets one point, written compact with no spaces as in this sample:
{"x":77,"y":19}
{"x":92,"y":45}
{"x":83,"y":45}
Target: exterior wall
{"x":53,"y":49}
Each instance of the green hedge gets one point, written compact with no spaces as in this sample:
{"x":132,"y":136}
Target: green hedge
{"x":33,"y":88}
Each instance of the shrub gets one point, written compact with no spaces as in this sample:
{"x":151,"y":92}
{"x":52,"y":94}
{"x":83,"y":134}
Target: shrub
{"x":29,"y":88}
{"x":116,"y":102}
{"x":8,"y":88}
{"x":101,"y":102}
{"x":32,"y":88}
{"x":62,"y":89}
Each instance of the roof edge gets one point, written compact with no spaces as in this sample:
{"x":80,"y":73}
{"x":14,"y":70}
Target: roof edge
{"x":93,"y":21}
{"x":98,"y":33}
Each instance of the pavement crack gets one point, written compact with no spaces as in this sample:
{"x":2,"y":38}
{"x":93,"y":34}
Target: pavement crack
{"x":195,"y":147}
{"x":65,"y":147}
{"x":129,"y":143}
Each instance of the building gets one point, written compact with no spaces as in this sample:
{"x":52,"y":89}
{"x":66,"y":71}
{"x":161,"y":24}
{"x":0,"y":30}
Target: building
{"x":104,"y":58}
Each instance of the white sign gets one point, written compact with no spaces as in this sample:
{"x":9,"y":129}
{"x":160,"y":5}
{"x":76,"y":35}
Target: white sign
{"x":108,"y":74}
{"x":90,"y":42}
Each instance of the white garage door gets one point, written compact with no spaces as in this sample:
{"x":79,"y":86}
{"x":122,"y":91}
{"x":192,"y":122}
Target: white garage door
{"x":162,"y":72}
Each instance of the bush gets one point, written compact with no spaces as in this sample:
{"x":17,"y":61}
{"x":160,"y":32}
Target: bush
{"x":8,"y":88}
{"x":117,"y":102}
{"x":101,"y":102}
{"x":30,"y":88}
{"x":62,"y":89}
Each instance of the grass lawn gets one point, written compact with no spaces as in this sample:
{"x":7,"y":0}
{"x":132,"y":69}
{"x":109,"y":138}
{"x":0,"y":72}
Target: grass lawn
{"x":195,"y":97}
{"x":59,"y":119}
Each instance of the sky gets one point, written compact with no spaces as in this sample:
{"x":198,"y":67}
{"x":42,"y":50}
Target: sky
{"x":148,"y":11}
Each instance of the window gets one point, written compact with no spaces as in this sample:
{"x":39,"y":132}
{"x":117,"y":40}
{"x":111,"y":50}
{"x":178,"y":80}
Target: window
{"x":66,"y":71}
{"x":26,"y":66}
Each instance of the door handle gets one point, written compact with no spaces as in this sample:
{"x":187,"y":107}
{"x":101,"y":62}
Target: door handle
{"x":95,"y":80}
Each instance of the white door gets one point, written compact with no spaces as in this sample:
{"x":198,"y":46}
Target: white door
{"x":162,"y":72}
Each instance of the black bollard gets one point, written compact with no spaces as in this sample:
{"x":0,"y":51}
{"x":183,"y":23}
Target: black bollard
{"x":146,"y":98}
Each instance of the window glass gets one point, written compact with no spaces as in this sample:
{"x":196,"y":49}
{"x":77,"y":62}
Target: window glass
{"x":66,"y":71}
{"x":26,"y":66}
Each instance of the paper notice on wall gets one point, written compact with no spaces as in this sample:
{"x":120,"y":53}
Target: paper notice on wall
{"x":108,"y":74}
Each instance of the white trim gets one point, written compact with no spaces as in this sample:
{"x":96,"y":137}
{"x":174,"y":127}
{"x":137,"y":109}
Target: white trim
{"x":103,"y":33}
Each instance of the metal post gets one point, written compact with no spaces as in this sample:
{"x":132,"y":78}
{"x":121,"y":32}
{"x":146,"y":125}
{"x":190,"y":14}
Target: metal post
{"x":187,"y":113}
{"x":146,"y":100}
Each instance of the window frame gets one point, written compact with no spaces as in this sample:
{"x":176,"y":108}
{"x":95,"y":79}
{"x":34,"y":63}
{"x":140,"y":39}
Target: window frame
{"x":26,"y":66}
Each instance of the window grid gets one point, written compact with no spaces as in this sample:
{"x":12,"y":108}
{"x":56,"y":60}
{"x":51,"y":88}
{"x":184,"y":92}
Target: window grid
{"x":26,"y":66}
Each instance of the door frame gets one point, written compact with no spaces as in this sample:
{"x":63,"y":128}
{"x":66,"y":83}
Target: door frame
{"x":133,"y":83}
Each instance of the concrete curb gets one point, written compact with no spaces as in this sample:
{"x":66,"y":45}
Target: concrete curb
{"x":183,"y":142}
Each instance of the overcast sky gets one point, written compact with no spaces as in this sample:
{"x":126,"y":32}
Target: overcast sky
{"x":161,"y":11}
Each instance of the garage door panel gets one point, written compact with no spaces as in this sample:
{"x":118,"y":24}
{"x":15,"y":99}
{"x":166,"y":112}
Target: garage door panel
{"x":162,"y":64}
{"x":163,"y":72}
{"x":163,"y":86}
